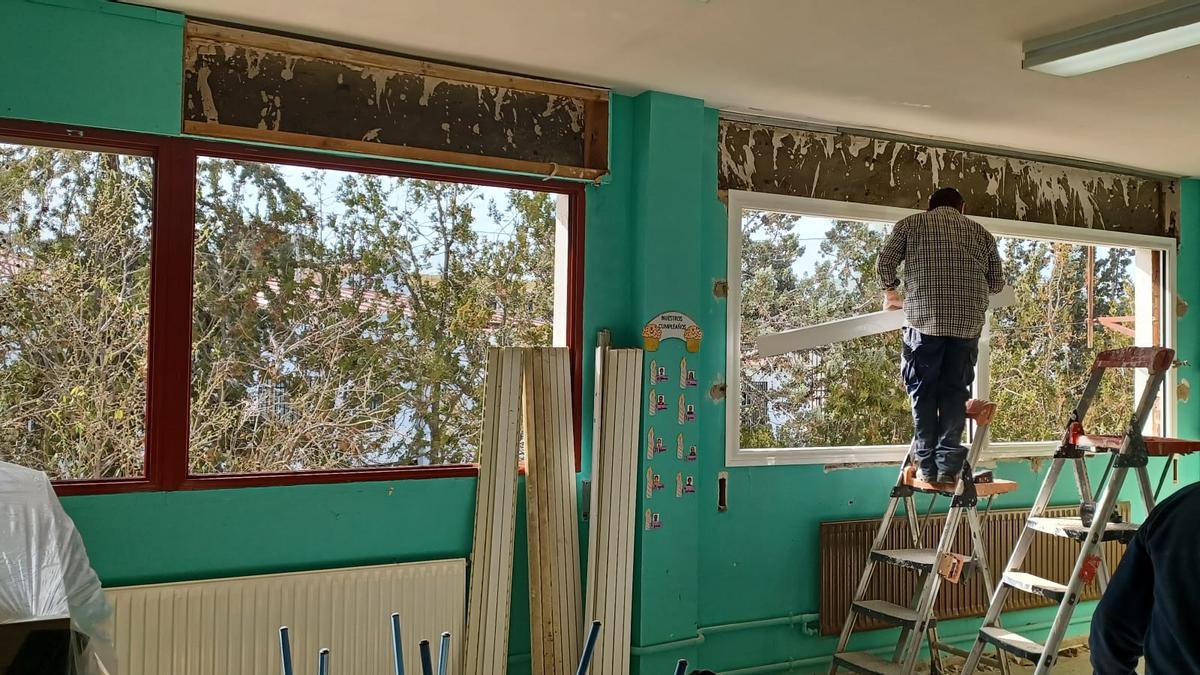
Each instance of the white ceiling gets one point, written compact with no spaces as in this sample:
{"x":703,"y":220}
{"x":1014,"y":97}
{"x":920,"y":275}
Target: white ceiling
{"x":948,"y":69}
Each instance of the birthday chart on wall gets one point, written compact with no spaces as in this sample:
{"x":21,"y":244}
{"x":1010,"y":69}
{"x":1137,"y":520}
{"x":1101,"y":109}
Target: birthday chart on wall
{"x":672,"y":341}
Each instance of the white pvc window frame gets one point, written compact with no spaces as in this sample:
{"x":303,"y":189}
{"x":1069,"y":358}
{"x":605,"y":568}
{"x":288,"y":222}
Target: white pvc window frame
{"x":741,"y":201}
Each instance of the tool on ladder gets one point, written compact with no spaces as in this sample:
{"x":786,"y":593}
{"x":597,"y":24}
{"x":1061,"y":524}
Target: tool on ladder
{"x":933,"y":565}
{"x":1096,"y":523}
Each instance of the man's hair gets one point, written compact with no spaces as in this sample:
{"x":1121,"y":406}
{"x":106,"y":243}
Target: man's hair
{"x":946,"y":196}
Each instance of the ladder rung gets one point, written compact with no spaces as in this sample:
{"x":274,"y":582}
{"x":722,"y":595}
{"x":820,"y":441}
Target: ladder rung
{"x":1012,"y":643}
{"x":1073,"y":528}
{"x":888,"y":612}
{"x":1023,"y":581}
{"x":919,"y":559}
{"x":865,"y":662}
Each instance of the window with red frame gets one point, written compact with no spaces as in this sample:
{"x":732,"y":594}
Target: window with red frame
{"x":340,"y":309}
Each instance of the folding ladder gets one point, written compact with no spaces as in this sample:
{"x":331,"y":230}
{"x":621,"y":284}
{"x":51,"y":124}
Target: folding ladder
{"x":1098,"y":522}
{"x":917,"y":622}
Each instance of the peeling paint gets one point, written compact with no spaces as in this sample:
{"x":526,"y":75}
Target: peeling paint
{"x":248,"y":87}
{"x":896,"y":173}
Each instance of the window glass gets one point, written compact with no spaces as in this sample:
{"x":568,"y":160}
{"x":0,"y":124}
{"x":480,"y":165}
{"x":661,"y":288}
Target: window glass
{"x":341,"y":319}
{"x":1040,"y":355}
{"x":800,"y":271}
{"x":74,"y":307}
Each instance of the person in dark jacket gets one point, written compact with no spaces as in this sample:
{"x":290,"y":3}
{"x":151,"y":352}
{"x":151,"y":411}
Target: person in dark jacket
{"x":1151,"y":608}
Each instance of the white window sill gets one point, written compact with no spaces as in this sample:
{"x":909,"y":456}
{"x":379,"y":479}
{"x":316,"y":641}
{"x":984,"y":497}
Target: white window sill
{"x":855,"y":455}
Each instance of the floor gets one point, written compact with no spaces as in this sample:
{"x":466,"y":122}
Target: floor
{"x":1071,"y":661}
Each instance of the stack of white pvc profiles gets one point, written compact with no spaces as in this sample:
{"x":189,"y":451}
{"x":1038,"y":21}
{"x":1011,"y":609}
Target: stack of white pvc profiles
{"x":615,"y":444}
{"x":486,"y":648}
{"x":555,"y":609}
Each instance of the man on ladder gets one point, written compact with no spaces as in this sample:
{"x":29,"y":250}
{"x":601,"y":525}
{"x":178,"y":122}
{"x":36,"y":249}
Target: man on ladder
{"x":951,"y":265}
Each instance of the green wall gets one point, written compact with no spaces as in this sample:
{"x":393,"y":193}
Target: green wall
{"x":729,"y":591}
{"x":91,"y":62}
{"x":102,"y":64}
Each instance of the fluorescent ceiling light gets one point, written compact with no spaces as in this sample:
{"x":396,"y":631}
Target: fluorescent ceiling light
{"x":1125,"y":38}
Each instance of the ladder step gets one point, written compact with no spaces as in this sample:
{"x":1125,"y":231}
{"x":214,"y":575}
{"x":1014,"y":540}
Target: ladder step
{"x":1012,"y":643}
{"x":919,"y":559}
{"x":865,"y":662}
{"x":1023,"y":581}
{"x":1073,"y":528}
{"x":889,"y":612}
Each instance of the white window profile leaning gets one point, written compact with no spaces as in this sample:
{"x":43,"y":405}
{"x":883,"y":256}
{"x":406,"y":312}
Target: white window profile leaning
{"x":740,"y":201}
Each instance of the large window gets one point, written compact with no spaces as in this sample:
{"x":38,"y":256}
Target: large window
{"x":802,"y":262}
{"x":302,"y":318}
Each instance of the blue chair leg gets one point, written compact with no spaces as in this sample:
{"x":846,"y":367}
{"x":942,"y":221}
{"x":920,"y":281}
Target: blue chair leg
{"x":397,"y":649}
{"x":426,"y":658}
{"x":585,"y":660}
{"x":285,"y":651}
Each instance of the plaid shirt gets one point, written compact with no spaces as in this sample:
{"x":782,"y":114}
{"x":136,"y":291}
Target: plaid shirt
{"x":950,"y":266}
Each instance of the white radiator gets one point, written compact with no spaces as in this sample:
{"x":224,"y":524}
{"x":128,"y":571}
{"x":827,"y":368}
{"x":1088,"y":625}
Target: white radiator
{"x":231,"y":626}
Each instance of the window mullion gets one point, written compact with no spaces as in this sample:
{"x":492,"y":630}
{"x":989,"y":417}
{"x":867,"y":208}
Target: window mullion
{"x":169,"y":370}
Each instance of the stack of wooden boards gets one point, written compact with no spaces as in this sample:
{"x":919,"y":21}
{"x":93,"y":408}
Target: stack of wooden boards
{"x":530,"y":389}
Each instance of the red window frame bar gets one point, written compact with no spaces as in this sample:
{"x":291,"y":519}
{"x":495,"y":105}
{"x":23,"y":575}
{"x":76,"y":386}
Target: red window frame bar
{"x":172,"y":235}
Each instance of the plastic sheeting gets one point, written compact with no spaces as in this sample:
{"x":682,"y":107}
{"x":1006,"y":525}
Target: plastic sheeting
{"x":44,"y":568}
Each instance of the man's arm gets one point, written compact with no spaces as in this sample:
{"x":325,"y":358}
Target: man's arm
{"x":995,"y":269}
{"x":1120,"y":620}
{"x":890,"y":257}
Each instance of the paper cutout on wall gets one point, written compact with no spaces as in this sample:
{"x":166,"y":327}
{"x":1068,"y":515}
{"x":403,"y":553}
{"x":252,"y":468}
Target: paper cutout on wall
{"x":679,"y":446}
{"x":653,"y":482}
{"x":672,"y":326}
{"x":684,"y":486}
{"x":687,"y":378}
{"x":687,"y":411}
{"x":658,"y":373}
{"x":692,"y":454}
{"x":654,"y":444}
{"x":657,"y":402}
{"x":653,"y":520}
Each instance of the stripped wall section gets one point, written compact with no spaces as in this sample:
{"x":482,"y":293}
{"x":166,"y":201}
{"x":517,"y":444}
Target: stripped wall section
{"x":845,"y":167}
{"x":256,"y":86}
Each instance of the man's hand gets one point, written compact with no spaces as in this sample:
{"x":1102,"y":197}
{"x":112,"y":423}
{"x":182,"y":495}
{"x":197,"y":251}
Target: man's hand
{"x":892,"y":301}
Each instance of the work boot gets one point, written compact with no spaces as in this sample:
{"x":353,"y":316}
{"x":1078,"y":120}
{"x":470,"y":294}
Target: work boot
{"x":944,"y":477}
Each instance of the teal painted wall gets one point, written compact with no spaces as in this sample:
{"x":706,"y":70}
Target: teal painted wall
{"x":1188,"y":290}
{"x":655,"y":241}
{"x":91,"y":62}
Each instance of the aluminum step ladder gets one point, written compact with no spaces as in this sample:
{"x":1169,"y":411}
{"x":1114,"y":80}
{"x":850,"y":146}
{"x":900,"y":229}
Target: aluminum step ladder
{"x":917,"y":621}
{"x":1098,"y":521}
